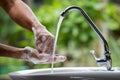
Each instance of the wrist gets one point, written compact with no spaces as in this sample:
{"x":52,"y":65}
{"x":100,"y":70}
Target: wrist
{"x":38,"y":27}
{"x":39,"y":30}
{"x":26,"y":53}
{"x":17,"y":52}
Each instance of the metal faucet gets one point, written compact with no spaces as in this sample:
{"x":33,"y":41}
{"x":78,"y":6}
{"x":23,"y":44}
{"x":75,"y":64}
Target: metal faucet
{"x":106,"y":61}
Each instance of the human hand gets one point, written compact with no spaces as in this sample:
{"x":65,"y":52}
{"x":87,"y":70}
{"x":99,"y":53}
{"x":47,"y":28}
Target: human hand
{"x":32,"y":55}
{"x":44,"y":40}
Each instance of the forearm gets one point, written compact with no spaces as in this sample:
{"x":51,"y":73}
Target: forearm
{"x":8,"y":51}
{"x":21,"y":14}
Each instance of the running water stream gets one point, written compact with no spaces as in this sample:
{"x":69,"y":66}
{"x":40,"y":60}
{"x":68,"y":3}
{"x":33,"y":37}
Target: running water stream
{"x":55,"y":43}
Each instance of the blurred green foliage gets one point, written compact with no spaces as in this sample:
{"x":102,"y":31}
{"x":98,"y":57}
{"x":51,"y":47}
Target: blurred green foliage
{"x":75,"y":28}
{"x":75,"y":37}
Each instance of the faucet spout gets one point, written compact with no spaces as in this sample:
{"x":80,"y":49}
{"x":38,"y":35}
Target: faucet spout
{"x":107,"y":61}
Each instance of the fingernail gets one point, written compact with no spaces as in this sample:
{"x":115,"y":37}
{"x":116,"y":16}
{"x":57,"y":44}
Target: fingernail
{"x":60,"y":59}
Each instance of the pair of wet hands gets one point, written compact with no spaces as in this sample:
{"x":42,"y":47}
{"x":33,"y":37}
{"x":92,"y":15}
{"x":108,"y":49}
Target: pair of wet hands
{"x":42,"y":55}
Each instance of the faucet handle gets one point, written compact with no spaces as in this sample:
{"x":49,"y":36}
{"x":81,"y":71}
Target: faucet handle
{"x":101,"y":62}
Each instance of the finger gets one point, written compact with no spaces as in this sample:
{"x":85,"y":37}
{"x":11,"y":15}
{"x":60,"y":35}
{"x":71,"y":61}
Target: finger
{"x":49,"y":45}
{"x":41,"y":47}
{"x":49,"y":59}
{"x":42,"y":43}
{"x":55,"y":59}
{"x":48,"y":39}
{"x":58,"y":59}
{"x":39,"y":44}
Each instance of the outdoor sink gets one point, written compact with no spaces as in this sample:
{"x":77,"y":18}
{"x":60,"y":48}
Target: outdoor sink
{"x":75,"y":73}
{"x":68,"y":73}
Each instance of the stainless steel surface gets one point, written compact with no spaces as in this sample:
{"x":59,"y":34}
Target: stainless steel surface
{"x":106,"y":61}
{"x":68,"y":73}
{"x":102,"y":62}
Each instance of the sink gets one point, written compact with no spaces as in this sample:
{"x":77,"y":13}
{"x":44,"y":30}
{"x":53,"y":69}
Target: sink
{"x":68,"y":73}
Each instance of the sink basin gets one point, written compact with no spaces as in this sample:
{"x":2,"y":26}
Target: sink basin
{"x":68,"y":73}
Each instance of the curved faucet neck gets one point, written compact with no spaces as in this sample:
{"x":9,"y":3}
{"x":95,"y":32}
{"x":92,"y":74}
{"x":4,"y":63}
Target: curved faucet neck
{"x":93,"y":26}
